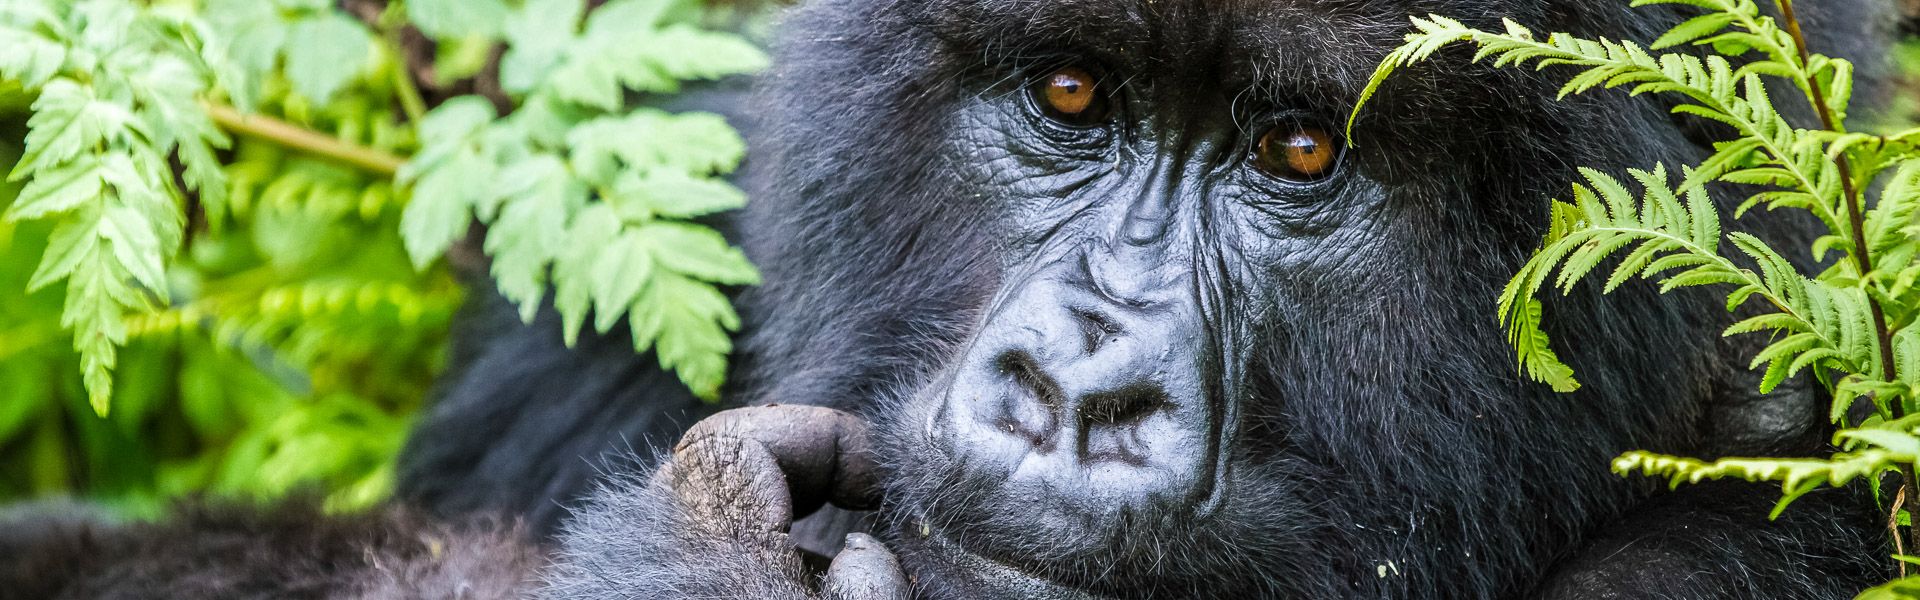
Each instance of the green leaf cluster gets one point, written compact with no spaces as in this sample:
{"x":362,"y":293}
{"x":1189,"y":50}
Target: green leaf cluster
{"x":277,"y":335}
{"x":585,"y":196}
{"x":118,"y":91}
{"x":318,"y":50}
{"x":1849,"y":325}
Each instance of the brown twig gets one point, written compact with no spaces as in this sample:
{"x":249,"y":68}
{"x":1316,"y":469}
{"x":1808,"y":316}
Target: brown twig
{"x":305,"y":140}
{"x":1893,"y":524}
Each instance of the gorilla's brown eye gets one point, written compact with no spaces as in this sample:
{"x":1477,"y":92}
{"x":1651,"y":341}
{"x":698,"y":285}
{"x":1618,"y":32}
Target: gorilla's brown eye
{"x":1296,"y":152}
{"x":1071,"y":95}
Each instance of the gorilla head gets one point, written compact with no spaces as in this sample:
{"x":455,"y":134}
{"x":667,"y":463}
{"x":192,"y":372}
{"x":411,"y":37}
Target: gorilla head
{"x":1146,"y":327}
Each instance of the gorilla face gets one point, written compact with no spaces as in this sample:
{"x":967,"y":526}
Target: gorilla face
{"x":1150,"y":227}
{"x":1094,"y":379}
{"x":1150,"y":327}
{"x":1139,"y":225}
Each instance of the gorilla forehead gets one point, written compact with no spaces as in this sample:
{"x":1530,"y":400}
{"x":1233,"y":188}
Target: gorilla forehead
{"x":1325,"y":46}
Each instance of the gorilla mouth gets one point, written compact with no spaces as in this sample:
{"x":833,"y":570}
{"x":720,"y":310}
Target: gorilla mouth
{"x":985,"y":576}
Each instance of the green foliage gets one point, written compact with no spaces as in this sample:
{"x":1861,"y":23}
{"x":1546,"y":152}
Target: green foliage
{"x":118,"y":94}
{"x":1898,"y":589}
{"x":1851,"y":325}
{"x":250,"y":287}
{"x":588,"y":197}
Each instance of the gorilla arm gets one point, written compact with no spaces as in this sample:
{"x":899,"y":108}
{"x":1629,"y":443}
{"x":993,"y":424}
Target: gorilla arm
{"x":1714,"y":541}
{"x":712,"y":521}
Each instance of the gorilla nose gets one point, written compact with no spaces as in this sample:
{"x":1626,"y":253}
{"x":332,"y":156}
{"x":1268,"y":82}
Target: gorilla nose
{"x":1097,"y":403}
{"x":1035,"y":407}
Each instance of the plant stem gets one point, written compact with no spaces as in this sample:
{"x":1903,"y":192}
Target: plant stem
{"x":1855,"y":221}
{"x":306,"y":140}
{"x":411,"y":102}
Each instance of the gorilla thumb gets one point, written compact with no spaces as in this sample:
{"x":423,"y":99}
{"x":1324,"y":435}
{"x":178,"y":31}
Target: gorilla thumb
{"x":865,"y":570}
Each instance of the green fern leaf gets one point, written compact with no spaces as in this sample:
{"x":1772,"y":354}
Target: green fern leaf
{"x":619,"y":273}
{"x":1693,"y":29}
{"x":592,"y":197}
{"x":698,"y":253}
{"x":541,"y":196}
{"x":687,"y":323}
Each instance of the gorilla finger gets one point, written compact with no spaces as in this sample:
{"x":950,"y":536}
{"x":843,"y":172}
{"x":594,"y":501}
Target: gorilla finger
{"x":865,"y":570}
{"x":826,"y":454}
{"x":730,"y":487}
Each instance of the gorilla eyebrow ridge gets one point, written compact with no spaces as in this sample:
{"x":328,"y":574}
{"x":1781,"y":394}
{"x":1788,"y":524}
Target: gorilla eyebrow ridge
{"x":1272,"y":48}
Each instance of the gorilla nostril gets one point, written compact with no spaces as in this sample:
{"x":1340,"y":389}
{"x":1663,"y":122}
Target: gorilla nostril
{"x":1128,"y":404}
{"x":1026,"y":372}
{"x":1095,"y":328}
{"x":1031,"y":411}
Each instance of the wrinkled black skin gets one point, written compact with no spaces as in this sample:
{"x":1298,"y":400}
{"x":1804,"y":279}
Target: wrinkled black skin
{"x":1332,"y":411}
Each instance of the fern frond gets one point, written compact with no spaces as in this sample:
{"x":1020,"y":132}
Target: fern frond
{"x":1796,"y":477}
{"x":592,"y":199}
{"x":1852,"y":325}
{"x":118,"y":99}
{"x":1675,"y":237}
{"x":1768,"y":149}
{"x":1905,"y":588}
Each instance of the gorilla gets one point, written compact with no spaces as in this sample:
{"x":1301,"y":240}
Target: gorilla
{"x":1081,"y":299}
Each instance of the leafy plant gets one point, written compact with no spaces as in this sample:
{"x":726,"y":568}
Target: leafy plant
{"x":237,"y":209}
{"x":531,"y":175}
{"x":1851,"y":324}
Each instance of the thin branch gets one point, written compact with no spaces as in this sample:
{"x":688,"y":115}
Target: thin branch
{"x":1893,"y":524}
{"x":306,"y":140}
{"x":392,"y":24}
{"x":411,"y":102}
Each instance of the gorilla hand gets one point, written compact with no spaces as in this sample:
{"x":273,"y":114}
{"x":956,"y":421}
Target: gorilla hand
{"x":746,"y":473}
{"x":712,"y":521}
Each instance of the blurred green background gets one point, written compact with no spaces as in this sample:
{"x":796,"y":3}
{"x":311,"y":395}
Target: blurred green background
{"x":296,"y":337}
{"x":298,"y":341}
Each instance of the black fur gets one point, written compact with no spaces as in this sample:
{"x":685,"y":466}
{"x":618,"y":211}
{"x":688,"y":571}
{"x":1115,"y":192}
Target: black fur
{"x":236,"y":552}
{"x":1387,"y":448}
{"x":1384,"y":446}
{"x":523,"y":424}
